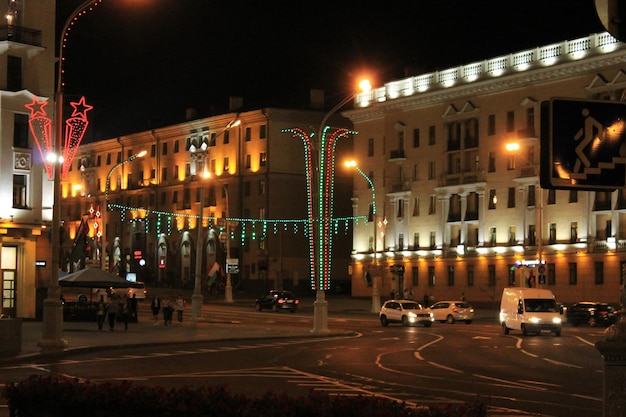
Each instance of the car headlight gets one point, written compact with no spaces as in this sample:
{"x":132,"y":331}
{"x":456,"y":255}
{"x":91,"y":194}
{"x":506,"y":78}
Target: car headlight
{"x":534,"y":320}
{"x":556,"y":320}
{"x":412,"y":315}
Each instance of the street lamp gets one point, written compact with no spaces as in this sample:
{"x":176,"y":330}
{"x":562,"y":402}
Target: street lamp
{"x":103,"y":246}
{"x":52,"y":338}
{"x":375,"y":291}
{"x":514,"y":147}
{"x":201,"y":153}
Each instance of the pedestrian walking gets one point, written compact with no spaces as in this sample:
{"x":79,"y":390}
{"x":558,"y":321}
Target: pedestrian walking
{"x":180,"y":307}
{"x":426,"y":299}
{"x":101,"y":311}
{"x":168,"y":311}
{"x":114,"y":308}
{"x":392,"y":296}
{"x":155,"y":306}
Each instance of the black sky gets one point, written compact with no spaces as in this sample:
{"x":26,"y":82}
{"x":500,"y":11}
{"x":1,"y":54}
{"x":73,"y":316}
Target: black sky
{"x":141,"y":63}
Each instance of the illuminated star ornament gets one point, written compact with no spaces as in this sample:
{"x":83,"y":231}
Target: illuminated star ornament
{"x":41,"y":129}
{"x":75,"y":128}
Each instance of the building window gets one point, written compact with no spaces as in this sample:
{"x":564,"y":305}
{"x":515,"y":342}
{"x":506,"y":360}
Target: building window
{"x":176,"y":146}
{"x":175,"y":197}
{"x":510,"y":165}
{"x":400,"y":209}
{"x":262,"y":185}
{"x":510,"y":121}
{"x":470,"y":275}
{"x":511,"y":199}
{"x":573,"y":196}
{"x":262,"y":131}
{"x":163,"y":174}
{"x":14,"y":73}
{"x":451,"y":276}
{"x":431,"y":170}
{"x":573,"y":232}
{"x":175,"y":171}
{"x":163,"y":148}
{"x":573,"y":274}
{"x":431,"y":276}
{"x":262,"y":159}
{"x":493,"y":199}
{"x":370,"y":147}
{"x":512,"y":272}
{"x":416,"y":138}
{"x":246,"y":188}
{"x":401,"y":241}
{"x":432,"y":207}
{"x":248,"y":161}
{"x":552,"y":232}
{"x":492,"y":275}
{"x":512,"y":237}
{"x":226,"y":137}
{"x":416,"y":240}
{"x":599,"y":269}
{"x":492,"y":162}
{"x":20,"y":194}
{"x":433,"y":240}
{"x":212,"y":139}
{"x":226,"y":164}
{"x":491,"y":125}
{"x":20,"y":131}
{"x":248,"y":134}
{"x":551,"y":274}
{"x":416,"y":206}
{"x":551,"y":196}
{"x":431,"y":135}
{"x":415,"y":276}
{"x":416,"y":172}
{"x":531,"y":196}
{"x":492,"y":236}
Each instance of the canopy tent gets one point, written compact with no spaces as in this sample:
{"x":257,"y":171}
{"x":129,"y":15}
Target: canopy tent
{"x":93,"y":278}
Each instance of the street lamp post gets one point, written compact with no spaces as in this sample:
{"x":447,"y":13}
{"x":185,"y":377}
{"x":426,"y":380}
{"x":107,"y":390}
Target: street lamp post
{"x":375,"y":290}
{"x":52,"y":338}
{"x":514,"y":147}
{"x":196,"y":298}
{"x":103,"y":246}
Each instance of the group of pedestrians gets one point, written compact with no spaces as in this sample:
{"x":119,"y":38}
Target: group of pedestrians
{"x":116,"y":306}
{"x":167,"y":306}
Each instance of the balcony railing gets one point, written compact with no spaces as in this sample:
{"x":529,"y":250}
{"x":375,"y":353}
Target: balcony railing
{"x":397,"y":154}
{"x":20,"y":34}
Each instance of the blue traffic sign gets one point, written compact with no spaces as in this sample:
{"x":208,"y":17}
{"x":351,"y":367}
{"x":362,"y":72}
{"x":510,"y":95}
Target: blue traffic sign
{"x":582,"y":144}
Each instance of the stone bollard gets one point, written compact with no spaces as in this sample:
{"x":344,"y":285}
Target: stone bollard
{"x":10,"y":337}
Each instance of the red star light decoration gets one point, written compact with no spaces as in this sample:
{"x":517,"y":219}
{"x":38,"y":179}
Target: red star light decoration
{"x":41,"y":129}
{"x":75,"y":128}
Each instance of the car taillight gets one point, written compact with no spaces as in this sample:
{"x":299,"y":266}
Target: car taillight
{"x":281,"y":300}
{"x":297,"y":301}
{"x":603,"y":313}
{"x":455,"y":309}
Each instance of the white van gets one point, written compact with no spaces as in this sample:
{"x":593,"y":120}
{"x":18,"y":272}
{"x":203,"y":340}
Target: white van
{"x":531,"y":310}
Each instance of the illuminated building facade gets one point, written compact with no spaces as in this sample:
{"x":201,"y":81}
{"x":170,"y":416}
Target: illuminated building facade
{"x":456,"y":212}
{"x":27,"y":45}
{"x":257,"y":182}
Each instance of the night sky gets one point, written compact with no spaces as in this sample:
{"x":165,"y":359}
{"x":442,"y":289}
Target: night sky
{"x":141,"y":63}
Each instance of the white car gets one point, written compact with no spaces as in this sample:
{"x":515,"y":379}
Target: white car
{"x":407,"y":312}
{"x":451,"y":311}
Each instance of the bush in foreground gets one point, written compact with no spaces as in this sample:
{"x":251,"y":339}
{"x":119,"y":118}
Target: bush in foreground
{"x":64,"y":397}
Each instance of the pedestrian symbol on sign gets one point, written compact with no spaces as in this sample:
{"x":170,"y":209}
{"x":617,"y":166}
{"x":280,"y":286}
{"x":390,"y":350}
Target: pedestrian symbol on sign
{"x":582,"y":144}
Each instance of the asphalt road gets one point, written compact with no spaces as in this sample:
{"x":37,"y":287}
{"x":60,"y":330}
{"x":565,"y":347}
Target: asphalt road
{"x":534,"y":375}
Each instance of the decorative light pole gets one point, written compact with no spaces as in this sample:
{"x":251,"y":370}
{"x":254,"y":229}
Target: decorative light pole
{"x":52,"y":338}
{"x":319,"y":157}
{"x":106,"y":265}
{"x":375,"y":290}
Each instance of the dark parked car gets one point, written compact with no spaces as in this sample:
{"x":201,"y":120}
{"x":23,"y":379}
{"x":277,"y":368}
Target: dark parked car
{"x":591,"y":313}
{"x":277,"y":301}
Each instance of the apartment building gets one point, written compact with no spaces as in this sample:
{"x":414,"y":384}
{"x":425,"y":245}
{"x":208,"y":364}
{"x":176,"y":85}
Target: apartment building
{"x":254,"y":204}
{"x":456,"y":212}
{"x":27,"y":49}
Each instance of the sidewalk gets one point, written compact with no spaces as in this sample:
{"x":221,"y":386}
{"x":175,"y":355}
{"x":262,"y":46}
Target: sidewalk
{"x":84,"y":336}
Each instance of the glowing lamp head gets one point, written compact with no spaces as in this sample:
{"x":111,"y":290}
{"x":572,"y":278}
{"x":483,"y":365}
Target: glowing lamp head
{"x":512,"y":147}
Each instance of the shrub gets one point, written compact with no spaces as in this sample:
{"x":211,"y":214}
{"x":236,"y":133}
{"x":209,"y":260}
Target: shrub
{"x":65,"y":397}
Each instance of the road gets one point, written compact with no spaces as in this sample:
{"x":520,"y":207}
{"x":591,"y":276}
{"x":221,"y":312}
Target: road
{"x":534,"y":375}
